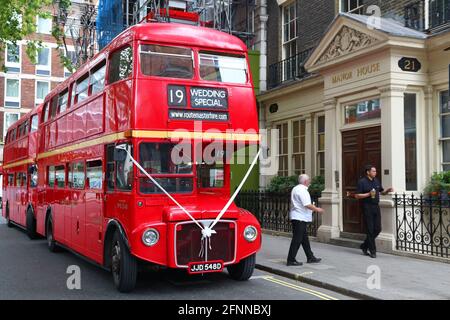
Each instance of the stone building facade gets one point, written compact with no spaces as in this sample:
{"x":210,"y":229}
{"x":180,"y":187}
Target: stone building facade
{"x":367,"y":91}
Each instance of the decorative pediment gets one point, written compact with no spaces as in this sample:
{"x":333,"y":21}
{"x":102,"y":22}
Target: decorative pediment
{"x":346,"y":41}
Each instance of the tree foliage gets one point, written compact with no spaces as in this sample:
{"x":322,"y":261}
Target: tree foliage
{"x":18,"y":22}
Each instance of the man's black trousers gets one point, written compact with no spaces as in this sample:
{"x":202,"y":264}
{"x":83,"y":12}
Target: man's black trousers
{"x":372,"y":218}
{"x":299,"y":238}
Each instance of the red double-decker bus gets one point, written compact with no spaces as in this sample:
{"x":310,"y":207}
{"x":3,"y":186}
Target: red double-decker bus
{"x":112,"y":165}
{"x":20,"y":178}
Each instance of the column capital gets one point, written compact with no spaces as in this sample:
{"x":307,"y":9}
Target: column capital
{"x":263,"y":18}
{"x":392,"y":90}
{"x":428,"y":90}
{"x":330,"y":103}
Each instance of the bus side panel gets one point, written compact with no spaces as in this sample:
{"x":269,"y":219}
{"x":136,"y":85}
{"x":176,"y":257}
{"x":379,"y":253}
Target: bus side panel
{"x":118,"y":102}
{"x":94,"y":116}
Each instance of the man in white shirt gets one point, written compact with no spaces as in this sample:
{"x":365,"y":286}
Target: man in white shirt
{"x":300,"y":215}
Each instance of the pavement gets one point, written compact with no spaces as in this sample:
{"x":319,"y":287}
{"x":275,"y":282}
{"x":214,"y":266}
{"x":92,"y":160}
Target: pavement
{"x":29,"y":271}
{"x":348,"y":271}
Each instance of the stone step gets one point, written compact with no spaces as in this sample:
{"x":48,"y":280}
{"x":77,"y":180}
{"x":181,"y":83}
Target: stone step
{"x":346,"y":242}
{"x":353,"y":236}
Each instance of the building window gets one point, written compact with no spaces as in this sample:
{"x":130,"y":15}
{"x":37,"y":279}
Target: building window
{"x":44,"y":25}
{"x":363,"y":110}
{"x":445,"y":129}
{"x":352,"y":6}
{"x":298,"y":146}
{"x":290,"y":20}
{"x":414,"y":15}
{"x":42,"y":89}
{"x":9,"y":119}
{"x":320,"y":162}
{"x":71,"y":55}
{"x":283,"y":169}
{"x":12,"y":93}
{"x":410,"y":141}
{"x":12,"y":61}
{"x":43,"y":62}
{"x":439,"y":12}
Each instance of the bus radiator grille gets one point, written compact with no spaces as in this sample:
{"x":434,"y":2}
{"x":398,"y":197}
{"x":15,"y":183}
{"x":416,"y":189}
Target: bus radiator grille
{"x":188,"y":243}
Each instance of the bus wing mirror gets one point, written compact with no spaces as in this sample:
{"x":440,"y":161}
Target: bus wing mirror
{"x":120,"y":153}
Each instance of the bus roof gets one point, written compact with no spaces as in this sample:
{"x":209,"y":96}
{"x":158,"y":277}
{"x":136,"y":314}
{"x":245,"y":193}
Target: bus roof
{"x":183,"y":34}
{"x":164,"y":33}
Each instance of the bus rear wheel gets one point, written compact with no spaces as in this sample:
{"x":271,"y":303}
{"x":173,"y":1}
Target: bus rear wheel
{"x":51,"y":243}
{"x":123,"y":265}
{"x":243,"y":270}
{"x":31,"y":225}
{"x":8,"y":221}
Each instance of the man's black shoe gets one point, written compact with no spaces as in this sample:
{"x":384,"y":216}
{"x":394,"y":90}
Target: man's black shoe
{"x":314,"y":260}
{"x":294,"y":263}
{"x":364,"y":250}
{"x":373,"y":255}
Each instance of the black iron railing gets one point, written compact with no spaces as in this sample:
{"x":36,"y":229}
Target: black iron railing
{"x":423,"y":224}
{"x":439,"y":13}
{"x":292,"y":68}
{"x":272,"y":210}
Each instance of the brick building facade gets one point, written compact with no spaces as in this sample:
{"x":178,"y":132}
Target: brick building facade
{"x":24,"y":84}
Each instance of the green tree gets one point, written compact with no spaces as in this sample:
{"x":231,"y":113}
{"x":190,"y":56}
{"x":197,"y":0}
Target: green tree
{"x":18,"y":22}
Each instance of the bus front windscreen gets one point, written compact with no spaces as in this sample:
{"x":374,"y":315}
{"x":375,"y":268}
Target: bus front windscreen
{"x":165,"y":160}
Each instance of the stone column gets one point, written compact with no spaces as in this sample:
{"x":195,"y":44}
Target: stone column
{"x":309,"y":145}
{"x":432,"y":116}
{"x":392,"y":168}
{"x":261,"y":44}
{"x":330,"y":196}
{"x":393,"y":137}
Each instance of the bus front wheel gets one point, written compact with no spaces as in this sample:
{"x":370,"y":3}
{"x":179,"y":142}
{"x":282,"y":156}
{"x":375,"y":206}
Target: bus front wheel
{"x":243,"y":270}
{"x":51,"y":243}
{"x":123,"y":265}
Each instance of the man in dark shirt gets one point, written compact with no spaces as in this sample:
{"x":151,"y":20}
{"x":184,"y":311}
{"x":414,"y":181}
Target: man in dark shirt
{"x":369,"y":189}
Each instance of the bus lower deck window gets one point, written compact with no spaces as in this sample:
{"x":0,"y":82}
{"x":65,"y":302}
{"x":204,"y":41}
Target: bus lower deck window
{"x":171,"y":185}
{"x":94,"y":173}
{"x":124,"y":172}
{"x":165,"y":158}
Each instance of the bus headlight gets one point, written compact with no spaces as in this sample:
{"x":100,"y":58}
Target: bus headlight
{"x":150,"y":237}
{"x":250,"y":233}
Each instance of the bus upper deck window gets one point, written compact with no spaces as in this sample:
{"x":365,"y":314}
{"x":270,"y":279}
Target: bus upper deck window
{"x":168,"y":62}
{"x":82,"y":88}
{"x":63,"y":100}
{"x":34,"y":123}
{"x":45,"y":112}
{"x":120,"y":64}
{"x":223,"y":68}
{"x":98,"y":78}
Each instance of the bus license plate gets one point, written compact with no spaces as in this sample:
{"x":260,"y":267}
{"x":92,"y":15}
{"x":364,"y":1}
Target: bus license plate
{"x":205,"y":267}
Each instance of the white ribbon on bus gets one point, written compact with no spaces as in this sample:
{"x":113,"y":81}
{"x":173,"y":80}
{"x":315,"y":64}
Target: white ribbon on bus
{"x":207,"y":231}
